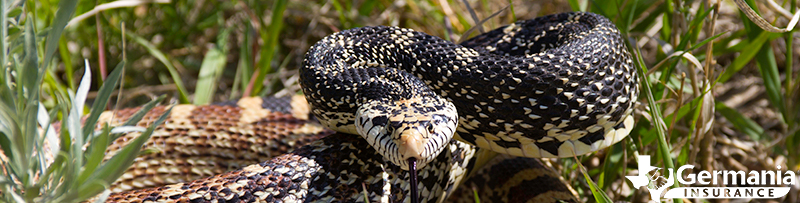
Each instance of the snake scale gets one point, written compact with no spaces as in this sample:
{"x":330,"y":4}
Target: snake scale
{"x":554,"y":86}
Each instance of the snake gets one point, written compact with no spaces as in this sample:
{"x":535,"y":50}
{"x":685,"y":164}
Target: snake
{"x":555,"y":86}
{"x":391,"y":114}
{"x":192,"y":153}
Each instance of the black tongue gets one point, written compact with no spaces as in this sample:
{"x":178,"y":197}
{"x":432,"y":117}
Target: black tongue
{"x":412,"y":170}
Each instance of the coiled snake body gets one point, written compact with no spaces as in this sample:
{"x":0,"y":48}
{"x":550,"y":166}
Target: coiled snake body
{"x":555,"y":86}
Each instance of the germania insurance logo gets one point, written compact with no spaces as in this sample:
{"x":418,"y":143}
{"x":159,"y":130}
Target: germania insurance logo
{"x":739,"y":184}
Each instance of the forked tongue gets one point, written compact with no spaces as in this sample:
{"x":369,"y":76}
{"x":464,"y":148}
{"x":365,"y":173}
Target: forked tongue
{"x":412,"y":170}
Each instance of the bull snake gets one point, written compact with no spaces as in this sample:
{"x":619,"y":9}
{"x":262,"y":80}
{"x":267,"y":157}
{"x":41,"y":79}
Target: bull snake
{"x":554,"y":86}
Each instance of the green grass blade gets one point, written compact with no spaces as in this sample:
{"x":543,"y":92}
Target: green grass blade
{"x":747,"y":54}
{"x":629,"y":18}
{"x":83,"y":89}
{"x":97,"y":149}
{"x":103,"y":96}
{"x":740,"y":121}
{"x":706,"y":41}
{"x":598,"y":194}
{"x":103,"y":196}
{"x":4,"y":44}
{"x":772,"y":80}
{"x":75,"y":140}
{"x":153,"y":50}
{"x":475,"y":196}
{"x":136,"y":117}
{"x":66,"y":9}
{"x":28,"y":107}
{"x":67,"y":61}
{"x":340,"y":9}
{"x":578,"y":5}
{"x":245,"y":65}
{"x":612,"y":166}
{"x":655,"y":109}
{"x":270,"y":37}
{"x":765,"y":59}
{"x":788,"y":84}
{"x":211,"y":70}
{"x":646,"y":20}
{"x":109,"y":171}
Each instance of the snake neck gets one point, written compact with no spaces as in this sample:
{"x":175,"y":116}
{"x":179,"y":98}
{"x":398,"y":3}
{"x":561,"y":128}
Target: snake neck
{"x":396,"y":112}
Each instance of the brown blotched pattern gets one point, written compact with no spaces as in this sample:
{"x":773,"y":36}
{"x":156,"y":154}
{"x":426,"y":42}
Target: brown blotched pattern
{"x":201,"y":141}
{"x":337,"y":168}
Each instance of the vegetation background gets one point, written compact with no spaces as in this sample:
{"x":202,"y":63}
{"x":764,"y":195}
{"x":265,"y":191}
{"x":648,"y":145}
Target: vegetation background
{"x":720,"y":91}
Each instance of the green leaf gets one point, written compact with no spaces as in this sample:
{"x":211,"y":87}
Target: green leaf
{"x":153,"y":50}
{"x":103,"y":196}
{"x":341,"y":11}
{"x":654,"y":110}
{"x":270,"y":37}
{"x":684,"y":110}
{"x":136,"y":117}
{"x":578,"y":5}
{"x":765,"y":59}
{"x":112,"y":169}
{"x":28,"y":108}
{"x":49,"y":134}
{"x":597,"y":193}
{"x":4,"y":78}
{"x":103,"y":96}
{"x":747,"y":54}
{"x":612,"y":166}
{"x":66,"y":57}
{"x":245,"y":64}
{"x":83,"y":89}
{"x":210,"y":72}
{"x":772,"y":80}
{"x":66,"y":9}
{"x":740,"y":121}
{"x":96,"y":152}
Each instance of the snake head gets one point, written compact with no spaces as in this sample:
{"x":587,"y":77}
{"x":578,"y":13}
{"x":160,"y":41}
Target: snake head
{"x":406,"y":129}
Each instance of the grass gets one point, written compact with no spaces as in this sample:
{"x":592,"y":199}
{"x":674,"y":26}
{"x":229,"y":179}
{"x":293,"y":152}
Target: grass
{"x":76,"y":169}
{"x":694,"y":59}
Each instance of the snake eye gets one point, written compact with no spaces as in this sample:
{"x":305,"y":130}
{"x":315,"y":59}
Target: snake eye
{"x":391,"y":126}
{"x":430,"y":128}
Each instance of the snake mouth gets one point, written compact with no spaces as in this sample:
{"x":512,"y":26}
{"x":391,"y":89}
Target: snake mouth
{"x":412,"y":170}
{"x":411,"y":145}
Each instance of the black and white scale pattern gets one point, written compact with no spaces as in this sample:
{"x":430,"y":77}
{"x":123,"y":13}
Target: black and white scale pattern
{"x":554,"y":86}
